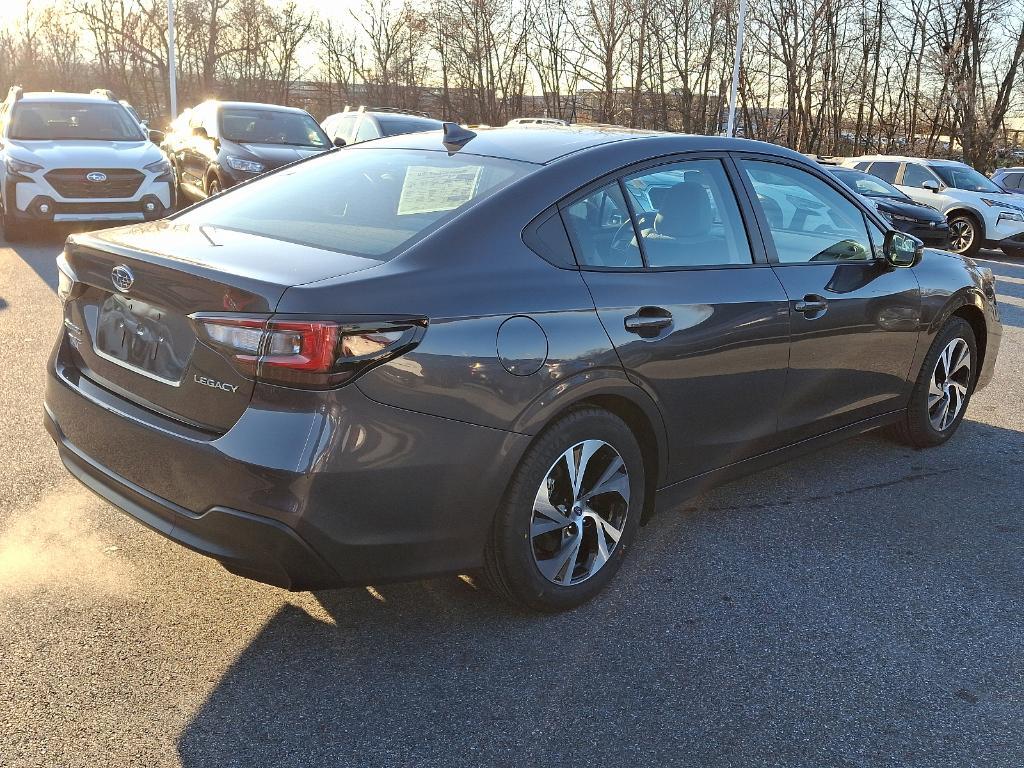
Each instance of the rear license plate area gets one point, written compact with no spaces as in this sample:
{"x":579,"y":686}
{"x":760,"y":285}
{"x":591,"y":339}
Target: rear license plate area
{"x":144,"y":337}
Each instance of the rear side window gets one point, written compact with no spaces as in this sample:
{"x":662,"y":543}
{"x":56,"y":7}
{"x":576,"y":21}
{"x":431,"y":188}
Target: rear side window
{"x":915,"y":176}
{"x":886,"y":171}
{"x":601,"y":229}
{"x":367,"y":130}
{"x":1012,"y":180}
{"x":367,"y":202}
{"x":688,"y":216}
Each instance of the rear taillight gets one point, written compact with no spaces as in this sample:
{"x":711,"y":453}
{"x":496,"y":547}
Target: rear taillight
{"x":307,"y":354}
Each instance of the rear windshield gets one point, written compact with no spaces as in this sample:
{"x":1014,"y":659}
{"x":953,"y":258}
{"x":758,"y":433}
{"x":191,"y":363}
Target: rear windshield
{"x":868,"y":185}
{"x":366,"y":202}
{"x":62,"y":121}
{"x":268,"y":126}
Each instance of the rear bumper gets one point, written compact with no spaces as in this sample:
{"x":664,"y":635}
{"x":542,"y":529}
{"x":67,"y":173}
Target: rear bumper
{"x":249,"y":545}
{"x":307,"y":490}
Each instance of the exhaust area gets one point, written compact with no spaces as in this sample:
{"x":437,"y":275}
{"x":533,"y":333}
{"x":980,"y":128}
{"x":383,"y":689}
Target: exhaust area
{"x":56,"y":545}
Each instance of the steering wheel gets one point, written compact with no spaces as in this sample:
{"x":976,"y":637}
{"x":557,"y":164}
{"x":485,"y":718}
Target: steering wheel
{"x":772,"y":211}
{"x":621,"y":239}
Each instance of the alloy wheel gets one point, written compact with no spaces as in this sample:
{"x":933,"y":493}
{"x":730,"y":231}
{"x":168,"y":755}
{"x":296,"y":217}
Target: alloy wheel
{"x":580,"y":512}
{"x":947,"y":390}
{"x":961,"y":235}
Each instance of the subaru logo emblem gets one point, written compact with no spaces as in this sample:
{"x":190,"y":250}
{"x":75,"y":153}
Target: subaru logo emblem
{"x":96,"y":176}
{"x":122,"y":278}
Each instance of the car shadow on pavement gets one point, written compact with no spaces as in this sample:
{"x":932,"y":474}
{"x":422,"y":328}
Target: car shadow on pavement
{"x":860,"y":601}
{"x":40,"y":248}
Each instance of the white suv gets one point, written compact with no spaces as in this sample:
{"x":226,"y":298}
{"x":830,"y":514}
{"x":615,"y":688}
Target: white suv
{"x":979,"y":212}
{"x":77,"y":157}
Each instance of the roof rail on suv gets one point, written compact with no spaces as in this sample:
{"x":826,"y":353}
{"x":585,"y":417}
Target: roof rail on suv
{"x":394,"y":110}
{"x":104,"y":92}
{"x":15,"y":93}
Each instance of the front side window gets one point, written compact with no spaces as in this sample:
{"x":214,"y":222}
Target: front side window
{"x":268,"y":126}
{"x":601,"y":229}
{"x":915,"y":175}
{"x":370,"y":203}
{"x":809,"y":221}
{"x":66,"y":121}
{"x":964,"y":177}
{"x":688,"y":216}
{"x":1012,"y":180}
{"x":885,"y":171}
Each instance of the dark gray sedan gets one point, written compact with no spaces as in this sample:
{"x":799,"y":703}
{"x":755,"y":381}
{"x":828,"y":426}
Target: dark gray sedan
{"x":497,"y":350}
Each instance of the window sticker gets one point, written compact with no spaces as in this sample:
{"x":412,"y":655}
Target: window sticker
{"x":430,"y":189}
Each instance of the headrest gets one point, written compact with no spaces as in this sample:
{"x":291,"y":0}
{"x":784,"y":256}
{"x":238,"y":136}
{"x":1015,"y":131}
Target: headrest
{"x":685,"y":211}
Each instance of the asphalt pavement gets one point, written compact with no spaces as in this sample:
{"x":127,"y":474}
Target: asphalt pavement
{"x":858,"y":607}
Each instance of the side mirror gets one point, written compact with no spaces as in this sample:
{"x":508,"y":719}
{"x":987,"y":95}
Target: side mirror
{"x":901,"y":250}
{"x":156,"y":136}
{"x":339,"y":142}
{"x":199,"y":132}
{"x":931,"y":185}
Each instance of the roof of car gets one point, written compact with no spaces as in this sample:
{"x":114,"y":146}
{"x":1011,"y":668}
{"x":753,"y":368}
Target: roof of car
{"x":543,"y":144}
{"x":61,"y":96}
{"x":904,"y":159}
{"x":255,"y":105}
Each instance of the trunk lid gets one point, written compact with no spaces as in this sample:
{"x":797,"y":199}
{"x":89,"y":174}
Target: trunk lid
{"x":136,"y":338}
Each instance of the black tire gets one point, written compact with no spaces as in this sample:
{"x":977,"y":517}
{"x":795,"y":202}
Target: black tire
{"x":969,"y":222}
{"x":212,"y":186}
{"x":14,"y":231}
{"x":915,"y":427}
{"x":511,"y":565}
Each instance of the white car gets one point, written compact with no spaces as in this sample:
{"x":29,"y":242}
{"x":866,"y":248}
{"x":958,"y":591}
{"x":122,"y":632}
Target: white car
{"x":68,"y":157}
{"x":536,"y":121}
{"x":980,"y":214}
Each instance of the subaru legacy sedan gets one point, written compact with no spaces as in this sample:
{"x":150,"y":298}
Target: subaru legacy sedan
{"x":494,"y":352}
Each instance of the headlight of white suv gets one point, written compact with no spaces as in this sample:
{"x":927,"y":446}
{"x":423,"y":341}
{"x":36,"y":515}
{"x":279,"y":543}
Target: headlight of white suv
{"x":241,"y":164}
{"x":160,"y":167}
{"x":20,"y":166}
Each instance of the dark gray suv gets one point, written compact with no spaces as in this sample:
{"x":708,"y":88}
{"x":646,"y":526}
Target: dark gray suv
{"x":453,"y":351}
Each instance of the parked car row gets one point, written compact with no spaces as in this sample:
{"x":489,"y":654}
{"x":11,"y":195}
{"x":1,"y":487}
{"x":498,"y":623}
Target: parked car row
{"x":980,"y":213}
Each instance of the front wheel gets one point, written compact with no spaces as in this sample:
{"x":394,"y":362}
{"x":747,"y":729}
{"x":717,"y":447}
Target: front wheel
{"x":570,"y":515}
{"x":943,"y":388}
{"x":965,"y":234}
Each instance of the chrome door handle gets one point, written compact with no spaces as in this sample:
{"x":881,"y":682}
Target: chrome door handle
{"x":648,"y":320}
{"x":811,"y":304}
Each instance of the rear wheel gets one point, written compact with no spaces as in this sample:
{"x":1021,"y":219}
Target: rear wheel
{"x":965,"y":234}
{"x":943,"y":388}
{"x":570,"y":514}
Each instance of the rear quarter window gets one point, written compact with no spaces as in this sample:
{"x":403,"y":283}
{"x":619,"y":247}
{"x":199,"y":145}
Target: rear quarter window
{"x":366,"y":202}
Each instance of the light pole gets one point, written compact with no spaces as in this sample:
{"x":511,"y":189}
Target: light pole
{"x":740,"y":25}
{"x":171,"y":59}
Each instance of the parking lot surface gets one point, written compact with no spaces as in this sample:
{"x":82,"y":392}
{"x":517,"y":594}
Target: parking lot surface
{"x":858,"y":607}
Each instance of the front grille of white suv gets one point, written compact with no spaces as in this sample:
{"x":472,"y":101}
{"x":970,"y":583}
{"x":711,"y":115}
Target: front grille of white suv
{"x":73,"y":182}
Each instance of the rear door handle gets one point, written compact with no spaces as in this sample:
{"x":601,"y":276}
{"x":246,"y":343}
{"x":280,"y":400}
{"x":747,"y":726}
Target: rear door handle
{"x":647,"y":321}
{"x":811,"y":304}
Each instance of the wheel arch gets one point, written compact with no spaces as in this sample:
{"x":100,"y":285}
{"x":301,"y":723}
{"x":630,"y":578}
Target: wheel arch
{"x":619,"y":396}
